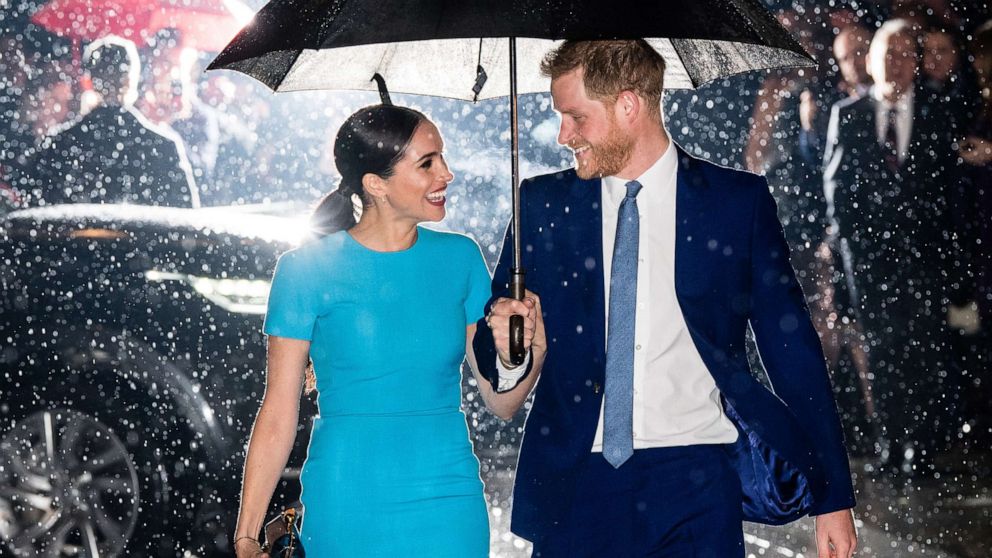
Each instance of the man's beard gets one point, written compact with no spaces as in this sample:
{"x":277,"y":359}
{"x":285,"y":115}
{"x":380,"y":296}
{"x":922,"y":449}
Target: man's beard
{"x":607,"y":158}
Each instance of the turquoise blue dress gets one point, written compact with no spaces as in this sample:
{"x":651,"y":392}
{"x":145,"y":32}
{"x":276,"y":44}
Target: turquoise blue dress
{"x":390,"y":469}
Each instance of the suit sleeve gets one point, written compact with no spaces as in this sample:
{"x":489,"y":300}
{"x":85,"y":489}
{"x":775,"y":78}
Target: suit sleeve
{"x":791,"y":353}
{"x":483,"y":344}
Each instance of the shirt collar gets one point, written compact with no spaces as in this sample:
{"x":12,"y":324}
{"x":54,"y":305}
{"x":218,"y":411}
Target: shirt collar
{"x":902,"y":105}
{"x":659,"y":174}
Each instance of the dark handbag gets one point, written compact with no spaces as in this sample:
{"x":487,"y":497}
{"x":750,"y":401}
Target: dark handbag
{"x":282,"y":537}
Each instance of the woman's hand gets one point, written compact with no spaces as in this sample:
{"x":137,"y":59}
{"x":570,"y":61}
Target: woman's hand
{"x":245,"y":547}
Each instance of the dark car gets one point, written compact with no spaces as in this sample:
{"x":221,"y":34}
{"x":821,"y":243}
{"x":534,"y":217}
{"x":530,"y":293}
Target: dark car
{"x":132,"y":365}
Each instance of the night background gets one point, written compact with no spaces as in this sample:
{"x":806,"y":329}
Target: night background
{"x":131,"y":353}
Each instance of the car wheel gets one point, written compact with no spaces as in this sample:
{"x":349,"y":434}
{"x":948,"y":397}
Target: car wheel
{"x":68,"y":486}
{"x":85,"y":465}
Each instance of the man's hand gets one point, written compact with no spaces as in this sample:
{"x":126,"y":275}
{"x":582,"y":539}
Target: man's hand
{"x":499,"y":322}
{"x":836,"y":536}
{"x":976,"y":151}
{"x":965,"y":318}
{"x":807,"y":110}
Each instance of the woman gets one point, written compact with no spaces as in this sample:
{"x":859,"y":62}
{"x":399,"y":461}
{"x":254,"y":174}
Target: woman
{"x":386,"y":311}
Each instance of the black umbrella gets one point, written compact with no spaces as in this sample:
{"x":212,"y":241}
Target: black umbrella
{"x":468,"y":49}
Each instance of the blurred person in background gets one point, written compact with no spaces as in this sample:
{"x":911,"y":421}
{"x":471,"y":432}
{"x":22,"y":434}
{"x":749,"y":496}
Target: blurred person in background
{"x":160,"y":95}
{"x":851,"y":53}
{"x":15,"y":139}
{"x":260,"y":155}
{"x":113,"y":154}
{"x":786,"y":145}
{"x":49,"y":101}
{"x":947,"y":76}
{"x":842,"y":335}
{"x":890,"y":174}
{"x":976,"y":152}
{"x":169,"y":98}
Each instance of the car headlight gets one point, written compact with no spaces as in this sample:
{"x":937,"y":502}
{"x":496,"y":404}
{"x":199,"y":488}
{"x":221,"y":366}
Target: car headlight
{"x":242,"y":296}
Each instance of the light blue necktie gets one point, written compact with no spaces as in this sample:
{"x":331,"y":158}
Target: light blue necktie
{"x":618,"y":436}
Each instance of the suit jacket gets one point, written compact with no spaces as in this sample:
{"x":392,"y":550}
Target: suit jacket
{"x":113,"y":155}
{"x":732,"y":270}
{"x":896,"y":228}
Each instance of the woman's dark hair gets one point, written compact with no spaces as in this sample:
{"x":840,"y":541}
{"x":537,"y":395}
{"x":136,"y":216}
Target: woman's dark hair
{"x":372,"y":140}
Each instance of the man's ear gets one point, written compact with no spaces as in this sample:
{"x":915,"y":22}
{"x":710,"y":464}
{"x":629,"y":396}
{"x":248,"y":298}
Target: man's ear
{"x":628,"y":106}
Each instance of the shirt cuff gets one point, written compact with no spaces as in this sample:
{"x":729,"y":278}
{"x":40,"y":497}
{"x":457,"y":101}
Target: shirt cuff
{"x":510,"y":377}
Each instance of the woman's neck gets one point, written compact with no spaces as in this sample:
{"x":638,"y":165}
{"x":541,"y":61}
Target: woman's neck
{"x":382,"y":234}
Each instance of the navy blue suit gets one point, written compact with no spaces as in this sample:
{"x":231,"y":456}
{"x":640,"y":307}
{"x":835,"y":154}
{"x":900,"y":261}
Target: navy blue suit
{"x":732,"y":269}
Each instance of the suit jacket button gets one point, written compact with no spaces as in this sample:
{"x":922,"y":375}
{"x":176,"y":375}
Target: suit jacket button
{"x":595,"y":387}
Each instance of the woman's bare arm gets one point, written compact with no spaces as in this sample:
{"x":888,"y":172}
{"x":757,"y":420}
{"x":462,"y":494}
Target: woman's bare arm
{"x":273,"y":434}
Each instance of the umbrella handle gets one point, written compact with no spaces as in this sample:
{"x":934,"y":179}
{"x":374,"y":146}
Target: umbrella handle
{"x":517,"y":351}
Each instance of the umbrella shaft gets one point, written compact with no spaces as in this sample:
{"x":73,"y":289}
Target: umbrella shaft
{"x":514,"y":154}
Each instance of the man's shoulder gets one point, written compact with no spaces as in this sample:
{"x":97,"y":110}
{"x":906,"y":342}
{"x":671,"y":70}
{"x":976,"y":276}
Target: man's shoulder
{"x":150,"y":131}
{"x":717,"y":175}
{"x":556,"y":187}
{"x":112,"y":121}
{"x":558,"y":178}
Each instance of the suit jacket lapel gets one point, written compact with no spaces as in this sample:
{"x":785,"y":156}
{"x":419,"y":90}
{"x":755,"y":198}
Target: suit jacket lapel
{"x":690,"y":215}
{"x":873,"y":149}
{"x":589,"y":242}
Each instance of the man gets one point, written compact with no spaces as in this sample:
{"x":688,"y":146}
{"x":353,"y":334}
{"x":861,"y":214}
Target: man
{"x":890,"y":181}
{"x":15,"y":137}
{"x":113,"y":154}
{"x":648,"y":435}
{"x":850,"y":52}
{"x":945,"y":79}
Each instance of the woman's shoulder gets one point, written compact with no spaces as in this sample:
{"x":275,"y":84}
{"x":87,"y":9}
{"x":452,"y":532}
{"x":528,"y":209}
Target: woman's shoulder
{"x":314,"y":253}
{"x":450,"y":240}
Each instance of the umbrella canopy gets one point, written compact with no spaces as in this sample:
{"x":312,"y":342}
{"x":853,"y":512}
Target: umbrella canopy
{"x":470,"y":50}
{"x":433,"y":47}
{"x":203,"y":24}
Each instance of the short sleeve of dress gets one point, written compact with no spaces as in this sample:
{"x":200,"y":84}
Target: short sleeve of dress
{"x":479,"y":284}
{"x":292,"y":305}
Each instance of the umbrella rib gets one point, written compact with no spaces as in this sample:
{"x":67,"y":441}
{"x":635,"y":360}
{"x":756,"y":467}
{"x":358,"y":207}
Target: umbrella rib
{"x":747,"y":20}
{"x":692,"y":79}
{"x":296,"y":57}
{"x":741,"y":15}
{"x":387,"y":56}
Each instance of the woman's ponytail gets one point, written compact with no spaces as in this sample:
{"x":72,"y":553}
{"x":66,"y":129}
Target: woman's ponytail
{"x":335,"y":212}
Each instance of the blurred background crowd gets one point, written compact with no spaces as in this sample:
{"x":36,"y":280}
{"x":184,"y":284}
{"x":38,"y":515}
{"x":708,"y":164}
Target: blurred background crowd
{"x":880,"y":160}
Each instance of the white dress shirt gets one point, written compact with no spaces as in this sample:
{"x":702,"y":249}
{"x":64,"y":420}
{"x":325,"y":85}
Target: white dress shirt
{"x":904,"y":120}
{"x":676,"y":401}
